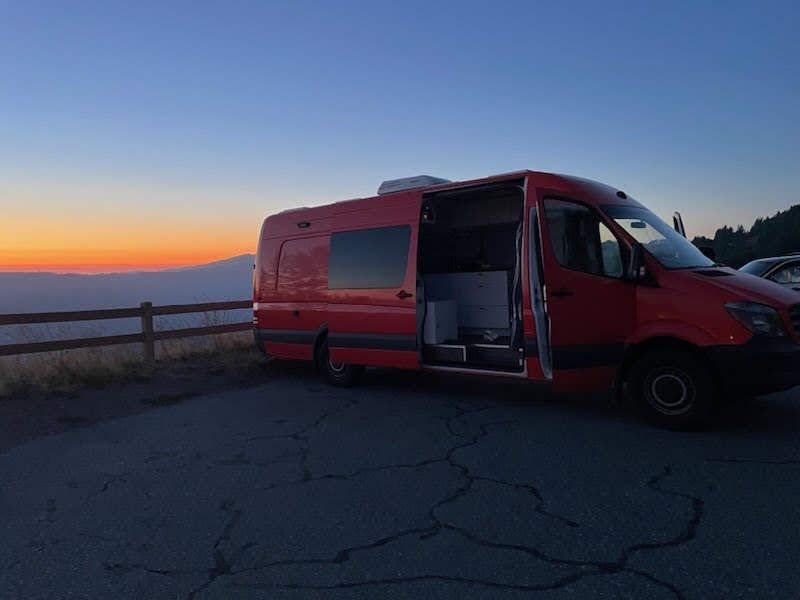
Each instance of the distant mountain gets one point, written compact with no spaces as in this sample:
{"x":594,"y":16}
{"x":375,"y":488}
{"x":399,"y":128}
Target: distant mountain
{"x":770,"y":236}
{"x":242,"y":261}
{"x":42,"y":292}
{"x":228,"y":279}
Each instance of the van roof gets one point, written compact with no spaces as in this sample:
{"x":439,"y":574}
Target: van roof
{"x":558,"y":183}
{"x":567,"y":184}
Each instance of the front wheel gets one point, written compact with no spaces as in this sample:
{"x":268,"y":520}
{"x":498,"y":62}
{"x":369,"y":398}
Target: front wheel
{"x":673,"y":389}
{"x":339,"y":374}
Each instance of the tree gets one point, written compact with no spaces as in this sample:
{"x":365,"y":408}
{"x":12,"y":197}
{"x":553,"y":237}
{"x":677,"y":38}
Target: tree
{"x":769,"y":236}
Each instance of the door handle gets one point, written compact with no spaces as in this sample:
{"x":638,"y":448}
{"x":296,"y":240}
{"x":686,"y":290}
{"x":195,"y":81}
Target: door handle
{"x":402,"y":294}
{"x":562,"y":293}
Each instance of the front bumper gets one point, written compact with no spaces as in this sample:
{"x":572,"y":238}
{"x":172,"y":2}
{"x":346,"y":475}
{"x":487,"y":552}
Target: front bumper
{"x":759,"y":366}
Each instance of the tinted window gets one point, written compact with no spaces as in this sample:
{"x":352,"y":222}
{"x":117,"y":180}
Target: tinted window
{"x":787,"y":274}
{"x":581,"y":241}
{"x":369,"y":258}
{"x":302,"y":268}
{"x":612,"y":256}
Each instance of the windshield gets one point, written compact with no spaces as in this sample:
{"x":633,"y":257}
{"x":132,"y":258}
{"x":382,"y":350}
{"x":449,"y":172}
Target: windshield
{"x":758,"y":267}
{"x":668,"y":247}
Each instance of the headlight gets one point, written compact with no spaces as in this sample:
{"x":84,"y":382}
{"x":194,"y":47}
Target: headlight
{"x":758,"y":318}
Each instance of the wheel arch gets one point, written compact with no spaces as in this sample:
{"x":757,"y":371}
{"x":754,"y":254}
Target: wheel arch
{"x":319,"y":338}
{"x":633,"y":352}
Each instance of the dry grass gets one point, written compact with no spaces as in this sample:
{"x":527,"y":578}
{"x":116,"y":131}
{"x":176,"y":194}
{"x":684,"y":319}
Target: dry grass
{"x":97,"y":367}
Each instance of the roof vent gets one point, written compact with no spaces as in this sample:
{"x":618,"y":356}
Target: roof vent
{"x":409,"y":183}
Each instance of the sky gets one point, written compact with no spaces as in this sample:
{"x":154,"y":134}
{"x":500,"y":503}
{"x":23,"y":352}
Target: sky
{"x":150,"y":134}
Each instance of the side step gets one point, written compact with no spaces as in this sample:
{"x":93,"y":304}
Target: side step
{"x":478,"y":356}
{"x":447,"y":353}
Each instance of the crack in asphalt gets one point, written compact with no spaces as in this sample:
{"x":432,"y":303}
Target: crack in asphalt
{"x":670,"y":587}
{"x":305,"y":452}
{"x":301,"y":436}
{"x":225,"y":561}
{"x":242,"y":459}
{"x":755,"y":461}
{"x":621,"y":564}
{"x":120,"y":477}
{"x":222,"y":564}
{"x":687,"y":535}
{"x":424,"y":533}
{"x":560,"y":583}
{"x":156,"y":455}
{"x":533,"y":491}
{"x":585,"y":568}
{"x":125,"y":568}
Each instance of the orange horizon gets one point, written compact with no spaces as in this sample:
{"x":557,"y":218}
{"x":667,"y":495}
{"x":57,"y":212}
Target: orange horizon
{"x":119,"y":241}
{"x":94,"y":269}
{"x":119,"y":249}
{"x":117,"y":266}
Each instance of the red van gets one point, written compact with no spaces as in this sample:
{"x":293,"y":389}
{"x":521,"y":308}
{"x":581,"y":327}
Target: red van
{"x":533,"y":275}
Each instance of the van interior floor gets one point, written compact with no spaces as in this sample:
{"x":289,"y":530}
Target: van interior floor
{"x":473,"y":356}
{"x":470,"y":278}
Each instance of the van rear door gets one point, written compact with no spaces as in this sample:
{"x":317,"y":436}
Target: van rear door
{"x":372,"y":274}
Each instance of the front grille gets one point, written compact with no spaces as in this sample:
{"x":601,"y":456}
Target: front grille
{"x":794,"y":315}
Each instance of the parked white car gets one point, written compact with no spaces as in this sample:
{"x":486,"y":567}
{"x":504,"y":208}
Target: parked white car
{"x":784,"y":270}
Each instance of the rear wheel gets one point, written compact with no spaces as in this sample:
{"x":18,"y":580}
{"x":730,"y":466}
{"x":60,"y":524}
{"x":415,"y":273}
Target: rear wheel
{"x":339,"y":374}
{"x":673,"y":389}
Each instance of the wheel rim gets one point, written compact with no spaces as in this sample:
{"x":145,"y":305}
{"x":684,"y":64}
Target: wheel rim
{"x":335,"y":367}
{"x":670,"y":391}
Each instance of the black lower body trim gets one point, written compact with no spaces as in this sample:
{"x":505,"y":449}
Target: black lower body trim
{"x":587,"y":356}
{"x":285,"y":336}
{"x":373,"y":341}
{"x":758,"y":366}
{"x":259,"y":342}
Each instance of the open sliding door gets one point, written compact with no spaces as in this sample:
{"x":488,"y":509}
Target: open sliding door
{"x":536,"y":321}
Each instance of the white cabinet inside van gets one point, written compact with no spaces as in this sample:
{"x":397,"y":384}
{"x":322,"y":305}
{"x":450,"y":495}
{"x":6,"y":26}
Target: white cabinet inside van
{"x":481,"y":296}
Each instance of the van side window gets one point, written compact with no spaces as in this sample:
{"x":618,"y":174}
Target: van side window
{"x":301,"y":268}
{"x":581,"y":241}
{"x":369,"y":258}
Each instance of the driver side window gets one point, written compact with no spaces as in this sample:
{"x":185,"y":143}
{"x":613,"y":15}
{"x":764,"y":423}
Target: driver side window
{"x":581,"y":241}
{"x":788,"y":274}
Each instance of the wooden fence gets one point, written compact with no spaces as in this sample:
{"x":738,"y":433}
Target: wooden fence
{"x":148,"y":336}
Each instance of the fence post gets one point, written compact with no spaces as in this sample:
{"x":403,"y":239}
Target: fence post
{"x":148,"y":344}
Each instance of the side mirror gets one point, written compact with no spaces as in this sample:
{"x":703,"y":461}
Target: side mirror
{"x":637,"y":269}
{"x":709,"y":252}
{"x":677,"y":223}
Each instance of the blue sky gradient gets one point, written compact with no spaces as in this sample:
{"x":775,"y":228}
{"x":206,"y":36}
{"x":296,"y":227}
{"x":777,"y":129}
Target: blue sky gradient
{"x":217,"y":114}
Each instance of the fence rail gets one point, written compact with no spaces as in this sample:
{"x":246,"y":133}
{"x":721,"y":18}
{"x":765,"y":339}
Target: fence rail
{"x":148,"y":336}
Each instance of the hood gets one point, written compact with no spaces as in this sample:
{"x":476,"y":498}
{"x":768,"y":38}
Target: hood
{"x":742,"y":286}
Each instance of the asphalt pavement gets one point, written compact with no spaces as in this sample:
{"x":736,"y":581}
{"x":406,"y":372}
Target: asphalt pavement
{"x":408,"y":486}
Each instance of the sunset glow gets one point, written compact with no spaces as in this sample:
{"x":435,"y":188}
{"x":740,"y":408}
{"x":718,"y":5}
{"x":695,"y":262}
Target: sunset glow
{"x":125,"y":144}
{"x":107,"y":267}
{"x":77,"y":260}
{"x":95,"y":226}
{"x":41,"y":245}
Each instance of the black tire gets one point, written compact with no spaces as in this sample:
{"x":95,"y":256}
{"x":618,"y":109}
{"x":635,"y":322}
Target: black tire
{"x":338,"y":374}
{"x":673,"y":389}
